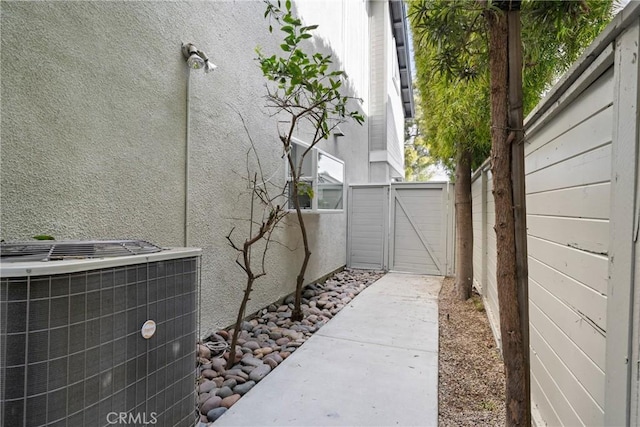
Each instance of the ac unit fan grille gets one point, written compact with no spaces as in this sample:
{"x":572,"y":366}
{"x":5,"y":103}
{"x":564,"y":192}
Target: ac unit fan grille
{"x":51,"y":250}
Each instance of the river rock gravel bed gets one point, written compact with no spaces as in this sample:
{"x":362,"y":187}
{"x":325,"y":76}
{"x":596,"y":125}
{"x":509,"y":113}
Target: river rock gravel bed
{"x":266,"y":340}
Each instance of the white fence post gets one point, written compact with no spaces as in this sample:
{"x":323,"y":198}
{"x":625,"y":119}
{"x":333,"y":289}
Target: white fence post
{"x":621,"y":253}
{"x":485,"y":261}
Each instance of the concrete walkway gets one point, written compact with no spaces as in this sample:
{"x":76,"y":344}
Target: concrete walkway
{"x":374,"y":364}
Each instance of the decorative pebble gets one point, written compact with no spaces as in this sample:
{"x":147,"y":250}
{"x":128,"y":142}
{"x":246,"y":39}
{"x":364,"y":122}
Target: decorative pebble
{"x":252,"y":361}
{"x":247,"y":368}
{"x":204,"y":351}
{"x":203,"y":397}
{"x":237,"y":372}
{"x":218,"y":364}
{"x":242,"y":389}
{"x":209,"y":373}
{"x":228,"y":402}
{"x":275,"y":335}
{"x":282,"y":341}
{"x":263,"y":350}
{"x":271,"y":362}
{"x":252,"y":345}
{"x":274,"y":356}
{"x":283,"y":309}
{"x":239,"y":380}
{"x":230,"y":383}
{"x":224,"y":392}
{"x":206,"y":386}
{"x":211,"y":403}
{"x":260,"y":372}
{"x":216,"y":413}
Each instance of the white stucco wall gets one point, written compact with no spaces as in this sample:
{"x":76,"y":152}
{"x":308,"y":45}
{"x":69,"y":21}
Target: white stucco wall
{"x":94,"y":133}
{"x":343,"y":24}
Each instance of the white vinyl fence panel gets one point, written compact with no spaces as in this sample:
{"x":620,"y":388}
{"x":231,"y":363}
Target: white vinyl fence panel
{"x":568,"y":256}
{"x":484,"y":246}
{"x":368,"y":226}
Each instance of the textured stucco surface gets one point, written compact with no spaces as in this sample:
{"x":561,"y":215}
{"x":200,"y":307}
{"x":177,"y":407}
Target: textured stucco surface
{"x":93,"y":135}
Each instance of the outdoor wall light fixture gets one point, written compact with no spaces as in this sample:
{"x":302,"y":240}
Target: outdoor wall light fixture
{"x":197,"y":59}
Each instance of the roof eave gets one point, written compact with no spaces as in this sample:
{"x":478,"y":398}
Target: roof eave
{"x":401,"y":35}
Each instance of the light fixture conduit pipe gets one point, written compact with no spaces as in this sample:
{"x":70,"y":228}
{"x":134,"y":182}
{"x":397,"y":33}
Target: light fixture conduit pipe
{"x":186,"y":161}
{"x":196,"y":59}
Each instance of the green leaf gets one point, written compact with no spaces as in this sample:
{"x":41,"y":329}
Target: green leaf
{"x":305,"y":189}
{"x":285,"y":47}
{"x":44,"y":237}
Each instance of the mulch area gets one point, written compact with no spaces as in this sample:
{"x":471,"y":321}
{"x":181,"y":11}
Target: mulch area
{"x":471,"y":373}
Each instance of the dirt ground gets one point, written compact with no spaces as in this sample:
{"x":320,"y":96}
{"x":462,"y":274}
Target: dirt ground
{"x":471,"y":374}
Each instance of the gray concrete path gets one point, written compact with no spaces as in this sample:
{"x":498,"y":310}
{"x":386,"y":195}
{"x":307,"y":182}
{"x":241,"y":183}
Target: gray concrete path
{"x":374,"y":364}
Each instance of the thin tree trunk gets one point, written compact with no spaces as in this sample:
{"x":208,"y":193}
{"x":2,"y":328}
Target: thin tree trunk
{"x":265,"y":230}
{"x":464,"y":225}
{"x":516,"y":125}
{"x":296,"y":314}
{"x":510,"y":325}
{"x":238,"y":326}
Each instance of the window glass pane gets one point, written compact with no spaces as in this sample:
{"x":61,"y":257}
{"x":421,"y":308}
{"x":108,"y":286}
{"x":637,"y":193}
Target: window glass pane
{"x":297,"y":151}
{"x":304,"y":190}
{"x":330,"y":179}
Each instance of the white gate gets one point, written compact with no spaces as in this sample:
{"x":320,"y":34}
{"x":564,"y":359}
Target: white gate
{"x":401,"y":227}
{"x":368,"y":227}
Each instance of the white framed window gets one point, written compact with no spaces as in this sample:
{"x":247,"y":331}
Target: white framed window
{"x":323,"y":175}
